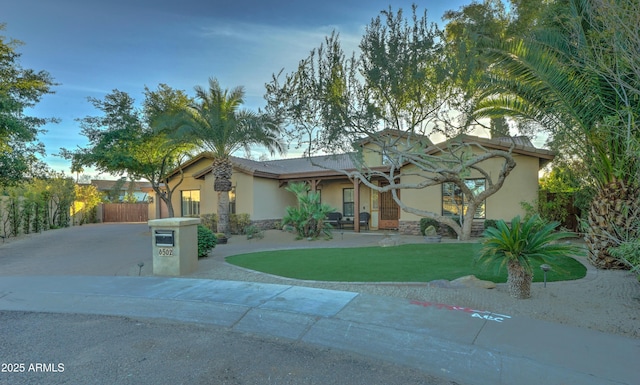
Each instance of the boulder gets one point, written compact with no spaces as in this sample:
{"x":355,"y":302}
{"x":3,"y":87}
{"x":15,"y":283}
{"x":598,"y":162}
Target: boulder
{"x":472,"y":281}
{"x":388,"y":242}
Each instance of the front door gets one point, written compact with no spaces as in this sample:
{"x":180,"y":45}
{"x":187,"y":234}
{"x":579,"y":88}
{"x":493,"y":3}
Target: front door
{"x":389,"y":211}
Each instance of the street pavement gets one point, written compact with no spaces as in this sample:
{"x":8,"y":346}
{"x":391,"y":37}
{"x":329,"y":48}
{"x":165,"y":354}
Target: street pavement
{"x":92,"y":271}
{"x":97,"y":349}
{"x":471,"y":346}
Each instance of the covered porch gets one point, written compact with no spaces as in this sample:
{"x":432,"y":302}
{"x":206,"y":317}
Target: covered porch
{"x":359,"y":207}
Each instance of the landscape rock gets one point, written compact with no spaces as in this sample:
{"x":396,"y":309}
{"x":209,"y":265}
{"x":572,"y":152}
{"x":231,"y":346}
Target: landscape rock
{"x":388,"y":242}
{"x":472,"y":281}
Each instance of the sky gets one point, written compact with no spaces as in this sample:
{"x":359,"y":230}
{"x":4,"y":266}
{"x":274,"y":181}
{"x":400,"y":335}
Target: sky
{"x":92,"y":47}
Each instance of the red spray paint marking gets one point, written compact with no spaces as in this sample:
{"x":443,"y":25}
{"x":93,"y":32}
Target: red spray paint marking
{"x":487,"y":315}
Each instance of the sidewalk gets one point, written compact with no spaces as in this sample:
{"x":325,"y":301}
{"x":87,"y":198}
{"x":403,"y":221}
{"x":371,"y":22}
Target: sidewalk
{"x":466,"y":345}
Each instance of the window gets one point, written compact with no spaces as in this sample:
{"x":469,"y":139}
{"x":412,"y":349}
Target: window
{"x":347,"y":202}
{"x":453,"y":200}
{"x":190,"y":203}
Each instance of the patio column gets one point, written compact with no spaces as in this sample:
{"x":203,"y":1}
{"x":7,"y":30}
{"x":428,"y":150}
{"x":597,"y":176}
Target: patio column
{"x":313,"y":183}
{"x":356,"y":204}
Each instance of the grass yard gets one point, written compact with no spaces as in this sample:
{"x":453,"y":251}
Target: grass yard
{"x":405,"y":263}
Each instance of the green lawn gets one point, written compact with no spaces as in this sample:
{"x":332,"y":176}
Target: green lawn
{"x":405,"y":263}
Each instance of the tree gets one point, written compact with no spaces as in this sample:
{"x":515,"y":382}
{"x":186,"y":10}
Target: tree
{"x":20,"y":89}
{"x":216,"y":123}
{"x":392,"y":96}
{"x":577,"y":76}
{"x":517,"y":245}
{"x":139,"y":143}
{"x":87,"y":199}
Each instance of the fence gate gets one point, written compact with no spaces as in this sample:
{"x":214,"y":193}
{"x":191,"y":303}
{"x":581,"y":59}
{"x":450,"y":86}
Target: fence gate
{"x":125,"y":212}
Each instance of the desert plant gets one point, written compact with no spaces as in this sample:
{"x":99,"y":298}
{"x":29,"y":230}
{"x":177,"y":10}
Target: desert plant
{"x":629,"y":252}
{"x":206,"y":241}
{"x":308,"y":219}
{"x":517,"y":245}
{"x":253,"y":232}
{"x":238,"y":223}
{"x":426,"y":222}
{"x":209,"y":221}
{"x":430,"y":231}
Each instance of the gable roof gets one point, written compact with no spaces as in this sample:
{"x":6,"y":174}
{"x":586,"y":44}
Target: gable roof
{"x":396,"y":134}
{"x":326,"y":165}
{"x":289,"y":168}
{"x":518,"y":145}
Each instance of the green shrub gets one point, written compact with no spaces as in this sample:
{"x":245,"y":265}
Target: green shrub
{"x":206,"y":241}
{"x":209,"y":221}
{"x":452,"y":233}
{"x":238,"y":222}
{"x":490,"y":223}
{"x":426,"y":222}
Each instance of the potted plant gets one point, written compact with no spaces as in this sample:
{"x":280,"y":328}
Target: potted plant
{"x":222,"y":239}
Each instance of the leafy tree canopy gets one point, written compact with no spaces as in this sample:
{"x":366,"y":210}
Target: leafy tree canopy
{"x":401,"y":88}
{"x":20,"y":88}
{"x":138,"y":142}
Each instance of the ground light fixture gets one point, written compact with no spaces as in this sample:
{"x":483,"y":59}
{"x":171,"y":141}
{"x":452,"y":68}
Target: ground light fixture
{"x":545,"y":268}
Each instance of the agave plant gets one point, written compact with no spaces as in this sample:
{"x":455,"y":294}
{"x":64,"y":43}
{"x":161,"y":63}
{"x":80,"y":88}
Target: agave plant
{"x":517,"y":245}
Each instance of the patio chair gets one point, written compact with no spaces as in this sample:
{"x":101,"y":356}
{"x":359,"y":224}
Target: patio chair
{"x":335,"y":219}
{"x":364,"y":220}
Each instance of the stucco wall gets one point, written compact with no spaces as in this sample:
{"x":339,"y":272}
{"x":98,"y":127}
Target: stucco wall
{"x":269,"y":200}
{"x":520,"y":185}
{"x":332,"y":195}
{"x":189,"y":183}
{"x":429,"y":199}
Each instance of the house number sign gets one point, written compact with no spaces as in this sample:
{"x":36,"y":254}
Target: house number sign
{"x":165,"y":251}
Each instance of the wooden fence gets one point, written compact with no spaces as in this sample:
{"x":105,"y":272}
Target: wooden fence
{"x":125,"y":212}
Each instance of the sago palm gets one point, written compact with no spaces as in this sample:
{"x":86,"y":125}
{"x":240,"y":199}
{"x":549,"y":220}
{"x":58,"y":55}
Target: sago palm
{"x":517,"y":245}
{"x":560,"y":77}
{"x":216,"y":122}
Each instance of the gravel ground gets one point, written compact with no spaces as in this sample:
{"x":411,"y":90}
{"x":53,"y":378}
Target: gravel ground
{"x":608,"y":301}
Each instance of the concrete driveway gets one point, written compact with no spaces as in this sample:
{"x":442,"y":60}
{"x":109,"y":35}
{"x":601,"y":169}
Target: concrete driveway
{"x":96,"y":249}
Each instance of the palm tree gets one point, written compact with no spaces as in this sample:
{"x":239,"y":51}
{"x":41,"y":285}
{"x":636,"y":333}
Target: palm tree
{"x":517,"y":245}
{"x":561,"y":77}
{"x":216,"y":122}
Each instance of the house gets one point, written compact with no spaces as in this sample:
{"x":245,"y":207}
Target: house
{"x":258,"y":186}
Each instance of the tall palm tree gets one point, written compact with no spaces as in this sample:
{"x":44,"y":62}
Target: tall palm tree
{"x":560,"y":77}
{"x":218,"y":124}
